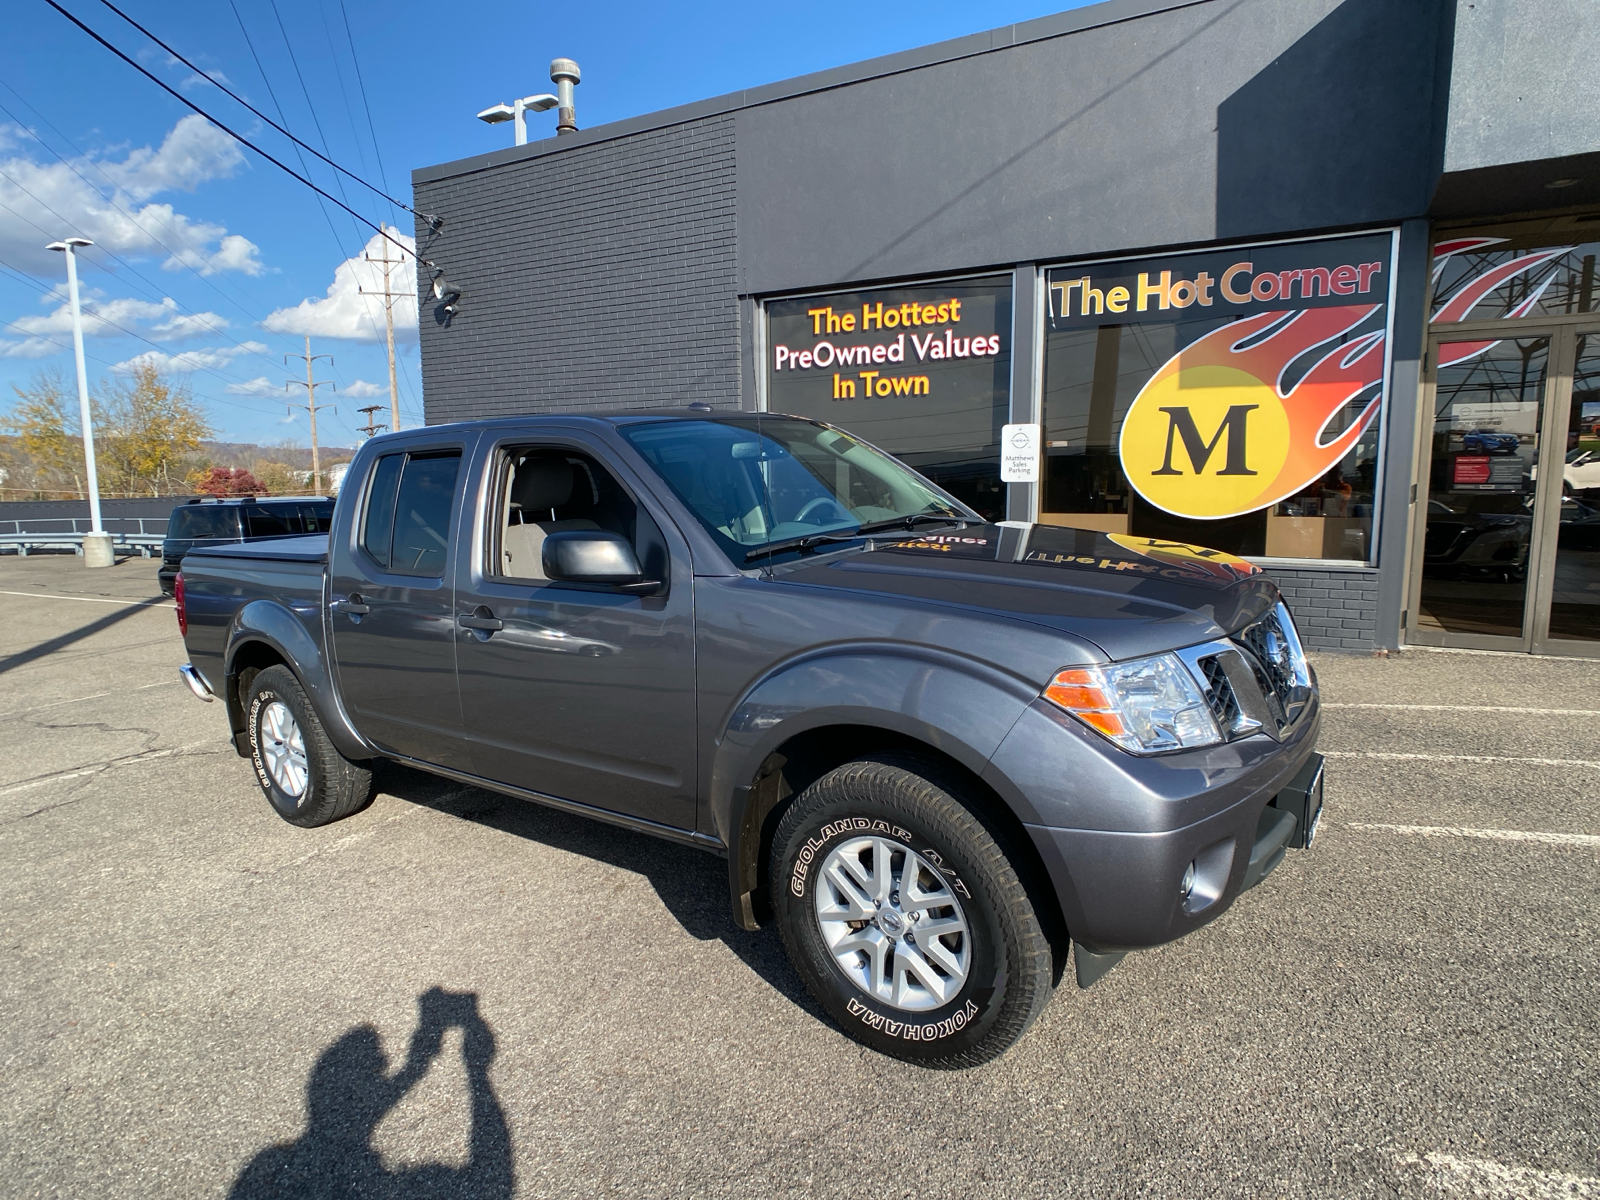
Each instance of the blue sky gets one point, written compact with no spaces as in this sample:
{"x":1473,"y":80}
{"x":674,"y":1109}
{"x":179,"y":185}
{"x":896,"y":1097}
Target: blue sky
{"x":212,"y":259}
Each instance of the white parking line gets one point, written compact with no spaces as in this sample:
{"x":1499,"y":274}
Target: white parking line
{"x":92,"y":599}
{"x":1397,"y":756}
{"x":1486,"y":708}
{"x":1484,"y":1177}
{"x":1493,"y":835}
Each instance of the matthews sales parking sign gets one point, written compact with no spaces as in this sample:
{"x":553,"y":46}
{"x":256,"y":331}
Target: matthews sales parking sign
{"x":1276,"y":369}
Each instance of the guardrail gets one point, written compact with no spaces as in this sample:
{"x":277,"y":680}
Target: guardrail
{"x":146,"y":545}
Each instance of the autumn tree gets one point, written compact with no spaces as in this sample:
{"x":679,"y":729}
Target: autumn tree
{"x":47,"y":455}
{"x":147,"y":424}
{"x":227,"y":481}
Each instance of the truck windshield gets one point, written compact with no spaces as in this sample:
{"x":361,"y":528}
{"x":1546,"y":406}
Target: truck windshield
{"x":794,"y":481}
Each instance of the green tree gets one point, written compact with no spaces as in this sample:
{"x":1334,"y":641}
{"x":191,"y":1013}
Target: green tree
{"x":150,"y":424}
{"x":47,"y":455}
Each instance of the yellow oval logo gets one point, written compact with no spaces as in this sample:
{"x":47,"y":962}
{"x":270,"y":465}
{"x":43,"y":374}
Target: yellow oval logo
{"x":1214,"y":433}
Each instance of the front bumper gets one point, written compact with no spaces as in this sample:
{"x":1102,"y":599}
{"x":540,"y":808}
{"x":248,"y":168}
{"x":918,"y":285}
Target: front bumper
{"x":1138,"y":823}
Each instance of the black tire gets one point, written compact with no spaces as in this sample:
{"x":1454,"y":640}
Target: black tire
{"x":334,"y":788}
{"x":913,"y":804}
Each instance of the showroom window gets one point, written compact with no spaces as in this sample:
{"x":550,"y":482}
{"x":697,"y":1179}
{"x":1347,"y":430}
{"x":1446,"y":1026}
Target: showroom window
{"x":1230,"y":398}
{"x":922,"y":372}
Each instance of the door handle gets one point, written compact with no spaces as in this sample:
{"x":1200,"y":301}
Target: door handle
{"x":480,"y":619}
{"x":352,"y":606}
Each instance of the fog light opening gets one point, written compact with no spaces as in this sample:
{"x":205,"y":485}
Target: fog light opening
{"x":1187,"y":886}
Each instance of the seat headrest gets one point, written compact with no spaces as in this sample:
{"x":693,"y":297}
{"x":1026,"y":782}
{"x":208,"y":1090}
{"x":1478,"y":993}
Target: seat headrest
{"x":541,"y":484}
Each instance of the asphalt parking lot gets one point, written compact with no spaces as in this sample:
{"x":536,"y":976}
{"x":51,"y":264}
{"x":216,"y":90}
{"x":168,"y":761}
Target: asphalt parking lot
{"x":454,"y":993}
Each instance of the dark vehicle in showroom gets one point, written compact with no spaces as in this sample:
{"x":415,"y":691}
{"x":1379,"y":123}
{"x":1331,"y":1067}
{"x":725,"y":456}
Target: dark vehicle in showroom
{"x":222,"y":521}
{"x":945,"y":758}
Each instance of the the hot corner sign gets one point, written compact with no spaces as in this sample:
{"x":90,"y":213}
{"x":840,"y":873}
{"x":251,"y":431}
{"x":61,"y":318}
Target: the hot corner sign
{"x":1278,"y":369}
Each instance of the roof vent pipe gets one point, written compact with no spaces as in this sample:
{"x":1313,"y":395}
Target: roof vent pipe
{"x":564,"y":74}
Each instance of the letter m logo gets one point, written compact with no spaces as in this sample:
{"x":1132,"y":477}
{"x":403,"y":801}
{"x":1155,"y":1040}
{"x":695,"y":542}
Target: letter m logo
{"x":1180,"y":424}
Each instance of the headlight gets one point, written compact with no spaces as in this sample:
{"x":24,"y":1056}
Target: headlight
{"x":1144,"y":706}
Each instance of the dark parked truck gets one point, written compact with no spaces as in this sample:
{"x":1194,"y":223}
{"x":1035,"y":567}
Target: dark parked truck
{"x":942,"y":756}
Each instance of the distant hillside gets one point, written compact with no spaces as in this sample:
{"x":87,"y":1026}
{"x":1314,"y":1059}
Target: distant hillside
{"x":247,"y":454}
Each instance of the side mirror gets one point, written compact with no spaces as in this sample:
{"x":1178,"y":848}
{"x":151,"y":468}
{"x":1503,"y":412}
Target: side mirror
{"x":592,"y":556}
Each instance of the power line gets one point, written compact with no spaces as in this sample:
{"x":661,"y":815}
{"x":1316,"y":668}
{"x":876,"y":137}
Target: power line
{"x":208,"y":325}
{"x":230,"y":92}
{"x":240,"y":138}
{"x":111,"y":198}
{"x":361,"y":83}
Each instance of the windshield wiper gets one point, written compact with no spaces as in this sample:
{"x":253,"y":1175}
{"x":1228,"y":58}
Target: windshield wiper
{"x":803,"y":543}
{"x":911,"y":522}
{"x":809,"y":540}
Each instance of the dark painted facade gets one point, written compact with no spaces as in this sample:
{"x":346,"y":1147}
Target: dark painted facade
{"x":631,"y":264}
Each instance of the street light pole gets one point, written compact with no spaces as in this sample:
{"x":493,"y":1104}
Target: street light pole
{"x":516,"y":111}
{"x":97,"y":551}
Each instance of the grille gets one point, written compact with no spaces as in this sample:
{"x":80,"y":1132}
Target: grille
{"x":1272,"y":659}
{"x":1219,"y":695}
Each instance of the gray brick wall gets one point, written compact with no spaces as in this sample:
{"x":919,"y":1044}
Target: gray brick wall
{"x":602,"y":277}
{"x":1333,"y":609}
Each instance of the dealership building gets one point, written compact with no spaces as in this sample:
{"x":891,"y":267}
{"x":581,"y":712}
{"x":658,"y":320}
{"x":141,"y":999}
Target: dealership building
{"x":1311,"y":282}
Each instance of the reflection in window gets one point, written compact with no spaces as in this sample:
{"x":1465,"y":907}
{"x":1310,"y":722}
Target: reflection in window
{"x":1490,"y":275}
{"x":1092,"y":377}
{"x":422,"y":515}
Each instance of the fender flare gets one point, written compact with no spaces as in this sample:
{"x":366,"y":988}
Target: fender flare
{"x":953,"y":704}
{"x":274,"y":624}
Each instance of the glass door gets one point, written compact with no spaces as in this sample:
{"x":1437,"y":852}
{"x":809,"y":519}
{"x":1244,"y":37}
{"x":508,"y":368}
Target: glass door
{"x":1508,"y":552}
{"x":1568,"y":602}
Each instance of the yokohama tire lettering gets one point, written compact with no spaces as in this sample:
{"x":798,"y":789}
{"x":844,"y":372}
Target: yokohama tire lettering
{"x":256,"y":706}
{"x":808,"y":852}
{"x":915,"y":1033}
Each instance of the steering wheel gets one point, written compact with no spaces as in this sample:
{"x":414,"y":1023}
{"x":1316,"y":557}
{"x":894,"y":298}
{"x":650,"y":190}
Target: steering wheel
{"x":821,"y":502}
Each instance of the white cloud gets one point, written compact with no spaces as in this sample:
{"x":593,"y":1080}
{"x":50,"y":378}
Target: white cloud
{"x":34,"y":347}
{"x":259,"y":386}
{"x":68,"y":199}
{"x":194,"y":81}
{"x":362,"y":390}
{"x":163,"y":322}
{"x":189,"y":360}
{"x":347,"y":314}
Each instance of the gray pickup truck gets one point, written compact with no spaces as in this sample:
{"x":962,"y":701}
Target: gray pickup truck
{"x":944,"y":757}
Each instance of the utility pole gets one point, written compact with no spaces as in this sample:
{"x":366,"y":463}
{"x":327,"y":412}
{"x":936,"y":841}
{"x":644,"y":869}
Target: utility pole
{"x":371,"y":427}
{"x":388,"y":324}
{"x":311,"y":385}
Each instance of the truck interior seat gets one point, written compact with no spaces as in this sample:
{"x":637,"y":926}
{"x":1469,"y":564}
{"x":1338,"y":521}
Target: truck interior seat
{"x":540,"y":493}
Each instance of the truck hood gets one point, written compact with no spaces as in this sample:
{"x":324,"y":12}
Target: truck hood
{"x":1127,"y":595}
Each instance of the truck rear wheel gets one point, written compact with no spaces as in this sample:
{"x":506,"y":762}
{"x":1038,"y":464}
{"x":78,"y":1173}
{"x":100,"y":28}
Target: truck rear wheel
{"x":307,"y":781}
{"x":904,"y":916}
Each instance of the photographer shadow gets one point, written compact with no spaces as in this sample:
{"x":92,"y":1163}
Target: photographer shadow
{"x":350,"y":1091}
{"x":691,"y":884}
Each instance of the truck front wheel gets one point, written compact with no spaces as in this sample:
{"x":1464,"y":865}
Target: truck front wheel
{"x":307,"y":781}
{"x":904,"y":916}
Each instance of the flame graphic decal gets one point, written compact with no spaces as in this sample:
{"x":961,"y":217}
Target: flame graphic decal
{"x":1218,"y":410}
{"x":1468,"y":295}
{"x":1215,"y":433}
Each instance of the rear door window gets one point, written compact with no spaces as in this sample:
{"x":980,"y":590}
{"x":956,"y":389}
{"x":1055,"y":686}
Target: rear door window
{"x":317,"y":518}
{"x":406,"y":527}
{"x":210,"y":521}
{"x":275,"y":520}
